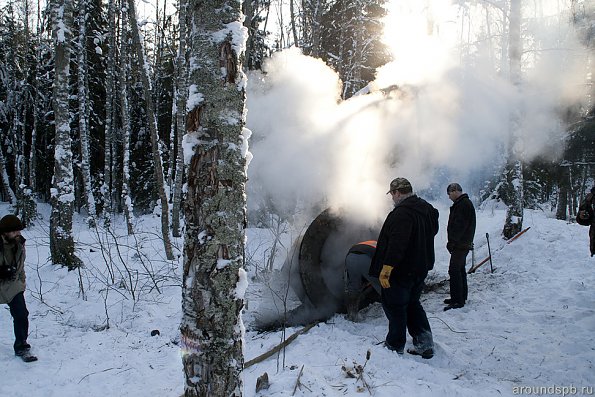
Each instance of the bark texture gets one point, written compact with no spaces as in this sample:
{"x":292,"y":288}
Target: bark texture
{"x":62,"y":197}
{"x":213,"y":276}
{"x":514,"y":170}
{"x":181,"y":95}
{"x":152,"y":124}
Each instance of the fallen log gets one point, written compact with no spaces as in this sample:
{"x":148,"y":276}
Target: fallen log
{"x":280,"y":346}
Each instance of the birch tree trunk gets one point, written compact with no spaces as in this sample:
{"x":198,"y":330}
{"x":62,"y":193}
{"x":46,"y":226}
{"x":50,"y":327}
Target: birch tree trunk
{"x":126,"y":129}
{"x":33,"y":152}
{"x":83,"y":98}
{"x":514,"y":168}
{"x":181,"y":94}
{"x":214,"y":280}
{"x":110,"y":96}
{"x":6,"y":189}
{"x":152,"y":124}
{"x":62,"y":194}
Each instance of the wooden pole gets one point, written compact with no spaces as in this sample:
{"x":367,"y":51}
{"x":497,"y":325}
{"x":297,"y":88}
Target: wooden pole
{"x":489,"y":253}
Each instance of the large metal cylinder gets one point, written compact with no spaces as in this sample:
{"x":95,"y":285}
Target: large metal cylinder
{"x":316,"y":264}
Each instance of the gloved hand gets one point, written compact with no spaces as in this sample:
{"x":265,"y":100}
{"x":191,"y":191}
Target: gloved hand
{"x":583,"y":214}
{"x":385,"y":276}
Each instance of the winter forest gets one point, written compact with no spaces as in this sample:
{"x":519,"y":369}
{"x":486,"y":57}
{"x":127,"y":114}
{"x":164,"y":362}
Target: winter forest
{"x":217,"y":116}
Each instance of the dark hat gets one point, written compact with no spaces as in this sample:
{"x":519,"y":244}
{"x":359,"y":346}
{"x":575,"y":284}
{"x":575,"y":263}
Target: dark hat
{"x":454,"y":187}
{"x":400,"y":184}
{"x":10,"y":223}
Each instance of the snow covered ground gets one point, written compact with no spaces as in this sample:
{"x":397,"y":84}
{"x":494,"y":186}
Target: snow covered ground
{"x":531,"y":323}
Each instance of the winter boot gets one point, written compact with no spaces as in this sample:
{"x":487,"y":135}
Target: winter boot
{"x":26,"y":355}
{"x":352,"y":304}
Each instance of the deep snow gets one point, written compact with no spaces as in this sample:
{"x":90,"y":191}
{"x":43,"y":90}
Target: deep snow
{"x":531,"y":323}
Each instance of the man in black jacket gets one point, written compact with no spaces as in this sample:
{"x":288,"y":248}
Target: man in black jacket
{"x":460,"y":232}
{"x":404,"y":255}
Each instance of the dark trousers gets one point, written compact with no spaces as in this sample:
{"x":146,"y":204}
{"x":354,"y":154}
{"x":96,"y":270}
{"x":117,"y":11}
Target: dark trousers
{"x":356,"y":274}
{"x":592,"y":239}
{"x":458,"y":276}
{"x":20,"y":318}
{"x":404,"y":312}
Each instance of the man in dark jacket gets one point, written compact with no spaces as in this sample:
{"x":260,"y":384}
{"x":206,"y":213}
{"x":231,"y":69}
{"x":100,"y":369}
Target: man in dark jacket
{"x":12,"y":282}
{"x":586,"y":217}
{"x":404,"y":255}
{"x":460,"y":232}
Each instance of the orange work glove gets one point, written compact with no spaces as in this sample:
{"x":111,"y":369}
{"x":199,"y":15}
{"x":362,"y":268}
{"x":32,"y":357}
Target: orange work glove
{"x":385,"y":276}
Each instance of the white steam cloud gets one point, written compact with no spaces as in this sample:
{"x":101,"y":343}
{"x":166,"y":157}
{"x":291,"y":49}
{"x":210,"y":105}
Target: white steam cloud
{"x":447,"y":117}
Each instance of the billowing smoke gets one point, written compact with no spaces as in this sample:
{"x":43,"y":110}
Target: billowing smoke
{"x":444,"y":115}
{"x":440,"y":112}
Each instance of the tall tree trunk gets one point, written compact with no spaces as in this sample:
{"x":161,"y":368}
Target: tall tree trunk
{"x":110,"y":95}
{"x":27,"y":204}
{"x":27,"y":207}
{"x":16,"y":131}
{"x":152,"y":124}
{"x":514,"y":168}
{"x":341,"y":53}
{"x":37,"y":101}
{"x":353,"y":76}
{"x":61,"y":241}
{"x":317,"y":27}
{"x":293,"y":17}
{"x":10,"y":111}
{"x":7,"y":191}
{"x":181,"y":94}
{"x":504,"y":36}
{"x":213,"y":277}
{"x":562,"y":207}
{"x":126,"y":129}
{"x":172,"y":147}
{"x":33,"y":152}
{"x":83,"y":98}
{"x":156,"y":79}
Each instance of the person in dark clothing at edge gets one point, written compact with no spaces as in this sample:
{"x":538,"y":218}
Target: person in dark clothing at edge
{"x":404,"y":255}
{"x":586,"y":217}
{"x":12,"y":282}
{"x":460,"y":232}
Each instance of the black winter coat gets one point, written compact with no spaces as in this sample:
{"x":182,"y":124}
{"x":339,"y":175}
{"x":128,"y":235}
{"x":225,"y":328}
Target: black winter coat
{"x":461,"y":224}
{"x":406,"y":240}
{"x":588,"y":205}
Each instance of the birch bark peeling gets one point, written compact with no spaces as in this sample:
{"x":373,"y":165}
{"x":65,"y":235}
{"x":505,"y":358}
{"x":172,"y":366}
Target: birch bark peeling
{"x":215,"y":205}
